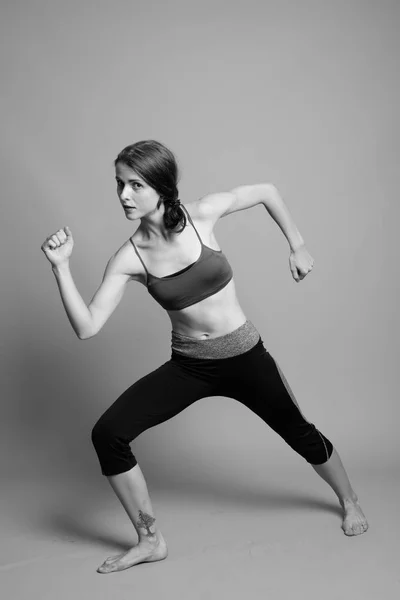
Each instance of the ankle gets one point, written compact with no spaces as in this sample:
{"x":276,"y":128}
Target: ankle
{"x":348,"y":500}
{"x":152,"y":538}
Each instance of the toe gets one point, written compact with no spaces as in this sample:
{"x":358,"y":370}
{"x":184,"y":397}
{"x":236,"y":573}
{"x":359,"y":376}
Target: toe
{"x":105,"y":568}
{"x":362,"y":526}
{"x":101,"y":569}
{"x":347,"y":528}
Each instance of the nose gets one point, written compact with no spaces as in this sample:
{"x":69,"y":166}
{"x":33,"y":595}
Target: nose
{"x":125,"y":194}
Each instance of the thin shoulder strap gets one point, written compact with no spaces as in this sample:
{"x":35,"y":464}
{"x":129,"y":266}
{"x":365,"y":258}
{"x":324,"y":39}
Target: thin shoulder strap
{"x":139,"y":256}
{"x":191,"y":222}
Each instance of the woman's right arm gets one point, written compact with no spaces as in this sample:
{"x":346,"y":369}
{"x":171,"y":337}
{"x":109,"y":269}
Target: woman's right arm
{"x":86,"y":320}
{"x":78,"y":313}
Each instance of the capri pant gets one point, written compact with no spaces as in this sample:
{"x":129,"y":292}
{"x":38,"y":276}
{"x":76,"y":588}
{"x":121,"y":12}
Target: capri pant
{"x":235,"y":365}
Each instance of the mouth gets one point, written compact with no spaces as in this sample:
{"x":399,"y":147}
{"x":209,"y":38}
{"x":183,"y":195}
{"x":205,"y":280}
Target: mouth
{"x":129,"y":208}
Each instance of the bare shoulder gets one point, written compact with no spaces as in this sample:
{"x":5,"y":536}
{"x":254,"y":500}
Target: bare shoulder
{"x":211,"y":207}
{"x":126,"y":263}
{"x":221,"y":204}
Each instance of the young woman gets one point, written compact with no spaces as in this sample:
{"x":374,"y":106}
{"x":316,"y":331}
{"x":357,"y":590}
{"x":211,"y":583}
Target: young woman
{"x":215,"y":349}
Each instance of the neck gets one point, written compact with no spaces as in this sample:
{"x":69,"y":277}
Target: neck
{"x":153,"y":229}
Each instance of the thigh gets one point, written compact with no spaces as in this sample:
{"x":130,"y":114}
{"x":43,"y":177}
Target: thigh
{"x":258,"y":382}
{"x":153,"y":399}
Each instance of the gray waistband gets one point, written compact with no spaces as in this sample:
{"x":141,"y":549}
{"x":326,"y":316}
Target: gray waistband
{"x":233,"y":343}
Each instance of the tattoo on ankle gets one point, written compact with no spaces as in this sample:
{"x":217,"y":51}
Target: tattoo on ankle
{"x":145,"y":521}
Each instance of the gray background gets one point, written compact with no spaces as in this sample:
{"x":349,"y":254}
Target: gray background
{"x":301,"y":94}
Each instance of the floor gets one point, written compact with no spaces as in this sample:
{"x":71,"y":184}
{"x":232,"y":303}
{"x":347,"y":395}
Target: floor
{"x":258,"y":536}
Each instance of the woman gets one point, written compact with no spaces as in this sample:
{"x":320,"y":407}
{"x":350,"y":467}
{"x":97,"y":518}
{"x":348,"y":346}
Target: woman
{"x":215,"y":349}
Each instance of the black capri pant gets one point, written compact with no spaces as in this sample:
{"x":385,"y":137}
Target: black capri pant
{"x":252,"y":377}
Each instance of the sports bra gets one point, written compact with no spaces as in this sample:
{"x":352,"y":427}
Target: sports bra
{"x":206,"y":276}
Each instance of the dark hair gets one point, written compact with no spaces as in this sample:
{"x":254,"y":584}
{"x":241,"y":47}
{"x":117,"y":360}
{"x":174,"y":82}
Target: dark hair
{"x":156,"y":164}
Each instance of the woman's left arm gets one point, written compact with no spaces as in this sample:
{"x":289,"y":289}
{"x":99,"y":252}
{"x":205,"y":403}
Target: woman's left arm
{"x":214,"y":206}
{"x":300,"y":261}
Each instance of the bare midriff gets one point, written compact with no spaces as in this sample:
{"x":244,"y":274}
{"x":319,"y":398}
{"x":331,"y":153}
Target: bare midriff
{"x":214,"y":316}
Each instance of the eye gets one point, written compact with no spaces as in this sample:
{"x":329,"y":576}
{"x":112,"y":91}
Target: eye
{"x":135,"y":183}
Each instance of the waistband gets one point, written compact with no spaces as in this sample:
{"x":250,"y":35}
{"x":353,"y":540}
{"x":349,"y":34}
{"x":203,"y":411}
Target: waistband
{"x":233,"y":343}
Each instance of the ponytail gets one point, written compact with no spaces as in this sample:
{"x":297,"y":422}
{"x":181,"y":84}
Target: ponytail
{"x":174,"y":214}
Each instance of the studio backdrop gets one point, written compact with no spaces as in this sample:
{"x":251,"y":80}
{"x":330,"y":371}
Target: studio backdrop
{"x":304,"y":95}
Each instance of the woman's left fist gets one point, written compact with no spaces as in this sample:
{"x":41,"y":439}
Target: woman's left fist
{"x":300,"y":262}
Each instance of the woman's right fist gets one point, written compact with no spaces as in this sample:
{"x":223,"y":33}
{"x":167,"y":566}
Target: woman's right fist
{"x":58,"y":247}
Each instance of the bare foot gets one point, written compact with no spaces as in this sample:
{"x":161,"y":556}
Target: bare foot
{"x":354,"y":521}
{"x":145,"y":551}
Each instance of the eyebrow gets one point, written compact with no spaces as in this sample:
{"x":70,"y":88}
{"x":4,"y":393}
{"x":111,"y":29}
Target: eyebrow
{"x":129,"y":180}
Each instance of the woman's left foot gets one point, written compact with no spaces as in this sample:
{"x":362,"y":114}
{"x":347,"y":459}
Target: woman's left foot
{"x":354,"y":521}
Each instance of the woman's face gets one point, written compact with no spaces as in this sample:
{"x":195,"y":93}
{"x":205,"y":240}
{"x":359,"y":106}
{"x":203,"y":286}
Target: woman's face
{"x":136,"y":196}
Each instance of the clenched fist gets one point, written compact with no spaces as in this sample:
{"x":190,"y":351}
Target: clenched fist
{"x":301,"y":263}
{"x":58,"y":247}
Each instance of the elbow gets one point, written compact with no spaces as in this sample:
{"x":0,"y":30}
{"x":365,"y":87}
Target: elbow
{"x":270,"y":196}
{"x":269,"y":192}
{"x":86,"y":335}
{"x":89,"y":331}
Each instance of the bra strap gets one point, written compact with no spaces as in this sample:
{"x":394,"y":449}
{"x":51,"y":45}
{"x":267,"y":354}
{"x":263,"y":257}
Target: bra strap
{"x":191,"y":222}
{"x":139,"y":256}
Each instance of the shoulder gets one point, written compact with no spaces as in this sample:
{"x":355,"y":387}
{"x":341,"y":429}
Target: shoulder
{"x":214,"y":206}
{"x":211,"y":207}
{"x":125,"y":262}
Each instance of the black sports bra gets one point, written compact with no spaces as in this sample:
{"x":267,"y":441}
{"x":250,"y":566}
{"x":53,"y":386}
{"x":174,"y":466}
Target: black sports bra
{"x":206,"y":276}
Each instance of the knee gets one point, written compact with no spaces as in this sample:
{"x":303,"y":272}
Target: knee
{"x":112,"y":447}
{"x":319,"y":448}
{"x":311,"y":444}
{"x":102,"y":433}
{"x":109,"y":433}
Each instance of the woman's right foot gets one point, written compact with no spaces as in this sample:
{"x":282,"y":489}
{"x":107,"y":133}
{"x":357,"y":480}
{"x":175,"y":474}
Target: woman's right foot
{"x":144,"y":551}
